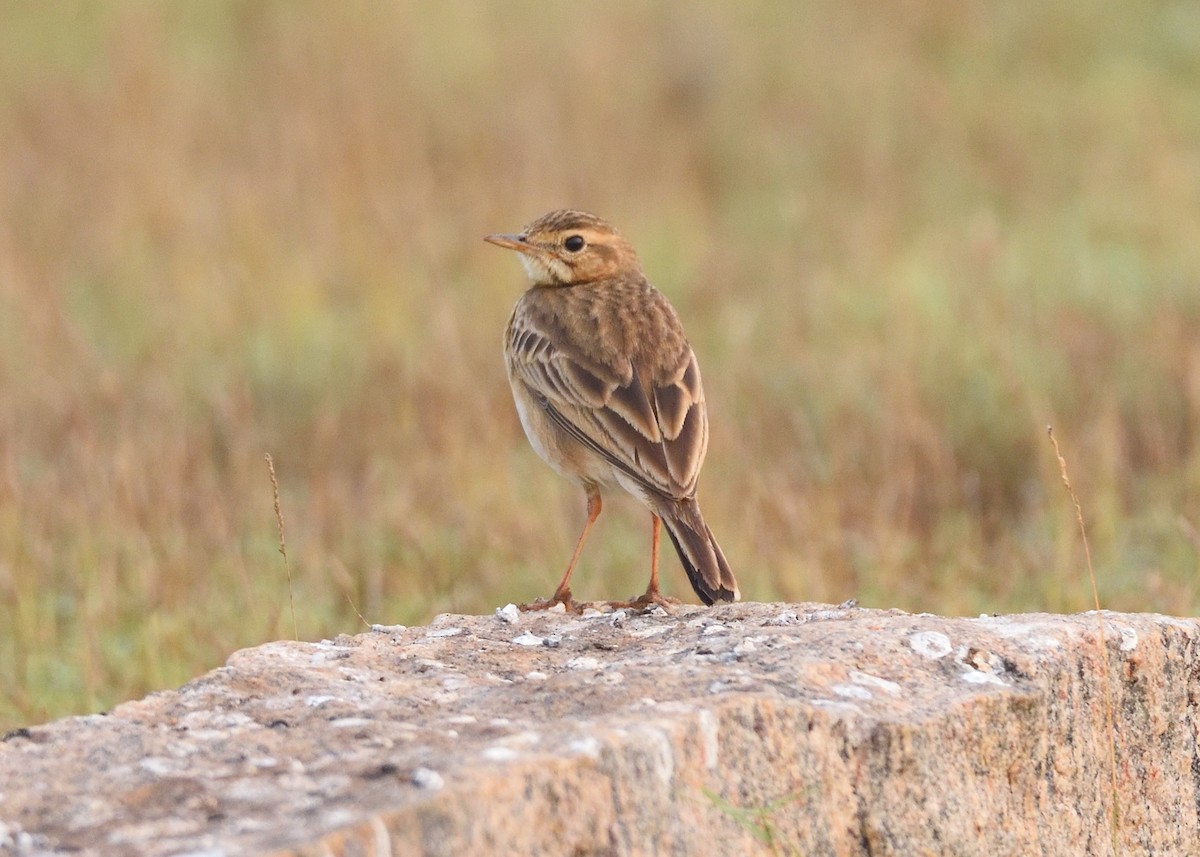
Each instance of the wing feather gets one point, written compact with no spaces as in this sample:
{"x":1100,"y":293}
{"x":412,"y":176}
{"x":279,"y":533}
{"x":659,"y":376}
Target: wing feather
{"x":648,"y":422}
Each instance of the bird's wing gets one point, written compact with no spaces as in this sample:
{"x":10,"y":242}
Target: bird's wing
{"x":653,"y":429}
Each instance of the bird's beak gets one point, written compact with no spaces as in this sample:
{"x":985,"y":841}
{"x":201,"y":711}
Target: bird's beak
{"x":510,"y":242}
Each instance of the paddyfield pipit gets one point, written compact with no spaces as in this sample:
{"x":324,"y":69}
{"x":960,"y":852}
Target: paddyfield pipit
{"x":608,"y":390}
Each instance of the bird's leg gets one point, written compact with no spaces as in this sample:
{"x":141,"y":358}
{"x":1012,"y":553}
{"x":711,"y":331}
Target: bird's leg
{"x":652,"y":594}
{"x":655,"y":529}
{"x":562,"y":593}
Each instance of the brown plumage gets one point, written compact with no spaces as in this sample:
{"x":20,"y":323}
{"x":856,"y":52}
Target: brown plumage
{"x":608,"y":389}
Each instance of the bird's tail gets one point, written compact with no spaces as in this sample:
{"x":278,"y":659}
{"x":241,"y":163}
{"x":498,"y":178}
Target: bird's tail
{"x":706,"y":566}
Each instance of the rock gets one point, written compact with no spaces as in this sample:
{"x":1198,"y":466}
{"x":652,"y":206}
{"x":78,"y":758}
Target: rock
{"x":749,"y":728}
{"x":508,"y":614}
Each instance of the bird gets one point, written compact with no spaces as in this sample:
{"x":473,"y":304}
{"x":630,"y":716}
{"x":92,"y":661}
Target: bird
{"x":608,"y":392}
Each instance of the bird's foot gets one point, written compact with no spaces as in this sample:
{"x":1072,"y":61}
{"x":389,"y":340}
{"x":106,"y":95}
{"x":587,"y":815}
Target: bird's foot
{"x":561,"y":596}
{"x":648,"y":599}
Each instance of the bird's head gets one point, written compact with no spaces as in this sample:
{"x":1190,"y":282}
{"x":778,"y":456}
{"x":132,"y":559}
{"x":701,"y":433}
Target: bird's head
{"x":566,"y":248}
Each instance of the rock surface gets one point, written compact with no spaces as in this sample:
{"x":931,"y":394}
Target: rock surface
{"x":752,"y":728}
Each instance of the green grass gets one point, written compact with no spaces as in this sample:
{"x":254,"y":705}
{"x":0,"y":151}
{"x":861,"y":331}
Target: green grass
{"x":904,"y":239}
{"x":758,"y":821}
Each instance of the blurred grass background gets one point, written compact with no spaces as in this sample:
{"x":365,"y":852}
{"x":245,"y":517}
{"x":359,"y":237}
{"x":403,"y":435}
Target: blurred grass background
{"x":904,"y":238}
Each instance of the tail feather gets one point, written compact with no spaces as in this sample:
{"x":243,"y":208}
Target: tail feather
{"x":705,"y":564}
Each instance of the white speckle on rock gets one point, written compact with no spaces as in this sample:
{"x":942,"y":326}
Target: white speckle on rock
{"x":868,"y":680}
{"x":318,"y":700}
{"x":587,"y":746}
{"x":852,"y":691}
{"x":1043,"y":641}
{"x":158,"y":766}
{"x":462,"y":718}
{"x":573,"y":626}
{"x":980,"y":677}
{"x":1006,"y":626}
{"x":557,"y":608}
{"x":660,"y":754}
{"x":1129,"y":639}
{"x":351,"y":722}
{"x":710,"y":737}
{"x":644,"y":633}
{"x":14,"y":838}
{"x":445,"y":632}
{"x":590,"y":613}
{"x":837,"y":705}
{"x":383,"y":839}
{"x":337,"y":817}
{"x":388,"y":629}
{"x":583,"y":663}
{"x":1029,"y":634}
{"x":714,"y":629}
{"x":427,"y":778}
{"x":229,"y":719}
{"x":1176,"y":622}
{"x":535,"y":675}
{"x":749,"y":644}
{"x":930,"y":644}
{"x":499,"y":754}
{"x":508,"y":614}
{"x":528,"y":639}
{"x":787,"y":617}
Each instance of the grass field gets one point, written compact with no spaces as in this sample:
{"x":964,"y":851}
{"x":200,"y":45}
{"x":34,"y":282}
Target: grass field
{"x":903,"y":237}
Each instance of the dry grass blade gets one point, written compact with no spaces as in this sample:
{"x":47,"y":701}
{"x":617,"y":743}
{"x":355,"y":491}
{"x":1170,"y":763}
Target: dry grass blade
{"x":357,"y":613}
{"x":282,"y":542}
{"x":1108,"y":707}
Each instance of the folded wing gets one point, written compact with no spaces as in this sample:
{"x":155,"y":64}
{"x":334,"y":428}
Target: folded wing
{"x":649,"y":422}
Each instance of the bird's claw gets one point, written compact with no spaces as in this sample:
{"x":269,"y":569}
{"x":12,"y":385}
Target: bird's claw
{"x":561,"y":596}
{"x":649,"y":598}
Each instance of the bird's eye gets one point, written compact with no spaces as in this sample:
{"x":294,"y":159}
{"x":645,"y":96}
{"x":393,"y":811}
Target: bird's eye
{"x":574,"y":244}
